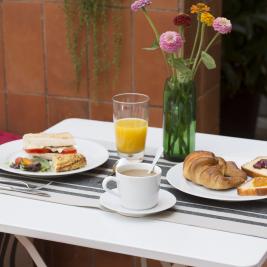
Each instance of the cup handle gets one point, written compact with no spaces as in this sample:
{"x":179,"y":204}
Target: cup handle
{"x":105,"y":185}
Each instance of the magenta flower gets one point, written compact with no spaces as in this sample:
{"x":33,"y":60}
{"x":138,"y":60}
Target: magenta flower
{"x":170,"y":41}
{"x":222,"y":25}
{"x":136,"y":5}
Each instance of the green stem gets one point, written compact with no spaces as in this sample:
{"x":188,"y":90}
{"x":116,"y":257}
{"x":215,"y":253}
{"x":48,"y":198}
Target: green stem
{"x":196,"y":38}
{"x":206,"y":49}
{"x":152,"y":25}
{"x":200,"y":46}
{"x":181,"y":31}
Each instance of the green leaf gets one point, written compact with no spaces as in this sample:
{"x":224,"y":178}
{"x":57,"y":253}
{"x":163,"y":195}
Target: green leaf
{"x":179,"y":64}
{"x":208,"y":60}
{"x":154,"y":46}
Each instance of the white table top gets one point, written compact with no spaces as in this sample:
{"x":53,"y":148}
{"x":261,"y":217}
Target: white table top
{"x":139,"y":237}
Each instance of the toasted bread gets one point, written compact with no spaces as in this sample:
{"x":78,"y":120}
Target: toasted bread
{"x":68,"y":162}
{"x":254,"y":172}
{"x":255,"y":187}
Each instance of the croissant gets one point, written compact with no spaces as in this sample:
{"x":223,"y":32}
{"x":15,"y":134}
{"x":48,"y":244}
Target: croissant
{"x":204,"y":168}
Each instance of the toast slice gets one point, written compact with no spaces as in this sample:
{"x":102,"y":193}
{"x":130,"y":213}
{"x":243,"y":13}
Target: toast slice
{"x":255,"y":187}
{"x":68,"y":162}
{"x":252,"y":171}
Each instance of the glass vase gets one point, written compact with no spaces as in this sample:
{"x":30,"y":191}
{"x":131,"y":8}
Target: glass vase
{"x":179,"y":118}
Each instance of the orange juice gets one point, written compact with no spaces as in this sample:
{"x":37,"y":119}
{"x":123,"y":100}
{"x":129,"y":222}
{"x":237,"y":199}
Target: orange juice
{"x":130,"y":135}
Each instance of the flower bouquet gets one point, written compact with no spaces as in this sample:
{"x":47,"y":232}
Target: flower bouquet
{"x":179,"y":119}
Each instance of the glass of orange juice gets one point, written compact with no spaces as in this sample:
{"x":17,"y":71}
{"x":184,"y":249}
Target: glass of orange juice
{"x":130,"y":115}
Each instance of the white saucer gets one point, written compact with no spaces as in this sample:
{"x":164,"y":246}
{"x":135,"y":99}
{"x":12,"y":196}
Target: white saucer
{"x":166,"y":201}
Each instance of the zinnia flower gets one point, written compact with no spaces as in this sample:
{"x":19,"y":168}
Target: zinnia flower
{"x":199,"y":8}
{"x":182,"y":20}
{"x":136,"y":5}
{"x":170,"y":41}
{"x":207,"y":18}
{"x":222,"y":25}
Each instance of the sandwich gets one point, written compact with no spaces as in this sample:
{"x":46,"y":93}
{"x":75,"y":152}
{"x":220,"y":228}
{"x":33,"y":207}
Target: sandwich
{"x":47,"y":145}
{"x":68,"y":162}
{"x":255,"y":187}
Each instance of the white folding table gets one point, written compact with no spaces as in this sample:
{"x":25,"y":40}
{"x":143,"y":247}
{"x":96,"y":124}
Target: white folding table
{"x":141,"y":237}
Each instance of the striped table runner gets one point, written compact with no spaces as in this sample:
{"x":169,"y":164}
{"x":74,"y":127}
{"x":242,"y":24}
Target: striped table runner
{"x":84,"y":190}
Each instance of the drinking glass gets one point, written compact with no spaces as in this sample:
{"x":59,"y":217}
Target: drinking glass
{"x":130,"y":116}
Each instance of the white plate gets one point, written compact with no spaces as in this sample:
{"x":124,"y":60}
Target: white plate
{"x":176,"y":179}
{"x":166,"y":201}
{"x":95,"y":155}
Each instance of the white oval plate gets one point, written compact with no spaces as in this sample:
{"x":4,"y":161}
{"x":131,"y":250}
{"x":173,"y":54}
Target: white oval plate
{"x":94,"y":153}
{"x":166,"y":201}
{"x":176,"y":179}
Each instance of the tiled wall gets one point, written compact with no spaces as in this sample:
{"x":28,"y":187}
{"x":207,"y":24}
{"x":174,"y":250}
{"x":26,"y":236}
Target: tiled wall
{"x":37,"y":81}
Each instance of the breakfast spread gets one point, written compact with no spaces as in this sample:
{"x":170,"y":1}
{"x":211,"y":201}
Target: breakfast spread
{"x":49,"y":152}
{"x":204,"y":168}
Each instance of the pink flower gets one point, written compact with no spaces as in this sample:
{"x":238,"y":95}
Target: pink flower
{"x":170,"y":41}
{"x":222,"y":25}
{"x":135,"y":6}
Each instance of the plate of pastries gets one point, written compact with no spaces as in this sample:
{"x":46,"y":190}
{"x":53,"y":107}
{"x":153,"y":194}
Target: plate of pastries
{"x":207,"y":175}
{"x":51,"y":154}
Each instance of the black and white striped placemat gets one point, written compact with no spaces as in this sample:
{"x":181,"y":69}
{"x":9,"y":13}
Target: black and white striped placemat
{"x":249,"y":218}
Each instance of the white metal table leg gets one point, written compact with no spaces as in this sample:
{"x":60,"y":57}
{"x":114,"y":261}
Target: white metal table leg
{"x":163,"y":264}
{"x":166,"y":264}
{"x":31,"y":249}
{"x":143,"y":262}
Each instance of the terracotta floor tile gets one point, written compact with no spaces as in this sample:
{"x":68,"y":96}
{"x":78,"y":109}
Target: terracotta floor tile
{"x":68,"y":256}
{"x":155,"y":117}
{"x":104,"y":259}
{"x":111,"y":82}
{"x":150,"y":69}
{"x":23,"y":46}
{"x":2,"y":112}
{"x":101,"y":111}
{"x":61,"y":79}
{"x":60,"y":109}
{"x":26,"y":113}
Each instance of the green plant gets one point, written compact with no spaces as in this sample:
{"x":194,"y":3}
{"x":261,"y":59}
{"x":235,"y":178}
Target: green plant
{"x":244,"y":58}
{"x":88,"y":24}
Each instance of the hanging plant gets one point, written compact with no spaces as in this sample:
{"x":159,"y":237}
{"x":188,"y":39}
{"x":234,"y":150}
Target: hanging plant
{"x":88,"y":24}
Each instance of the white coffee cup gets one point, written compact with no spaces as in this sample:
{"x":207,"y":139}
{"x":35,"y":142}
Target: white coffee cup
{"x":135,"y":192}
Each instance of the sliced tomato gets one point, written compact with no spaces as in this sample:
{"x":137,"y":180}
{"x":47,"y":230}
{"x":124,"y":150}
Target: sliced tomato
{"x":69,"y":151}
{"x":38,"y":150}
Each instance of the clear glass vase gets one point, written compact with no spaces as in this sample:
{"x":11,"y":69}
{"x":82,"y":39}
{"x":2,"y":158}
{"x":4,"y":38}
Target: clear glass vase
{"x":179,"y":118}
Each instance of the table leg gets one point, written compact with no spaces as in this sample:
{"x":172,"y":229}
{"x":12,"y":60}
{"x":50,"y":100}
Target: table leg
{"x":163,"y":264}
{"x":166,"y":264}
{"x":31,"y":249}
{"x":143,"y":262}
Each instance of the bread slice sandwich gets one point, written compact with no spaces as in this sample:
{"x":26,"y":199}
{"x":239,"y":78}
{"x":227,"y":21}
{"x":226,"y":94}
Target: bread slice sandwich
{"x":256,"y":167}
{"x":46,"y":145}
{"x":255,"y":187}
{"x":68,"y":162}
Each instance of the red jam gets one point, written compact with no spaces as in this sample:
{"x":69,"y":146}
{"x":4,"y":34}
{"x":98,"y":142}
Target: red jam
{"x":261,"y":164}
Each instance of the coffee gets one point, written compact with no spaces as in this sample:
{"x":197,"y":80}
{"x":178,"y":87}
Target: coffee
{"x":137,"y":173}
